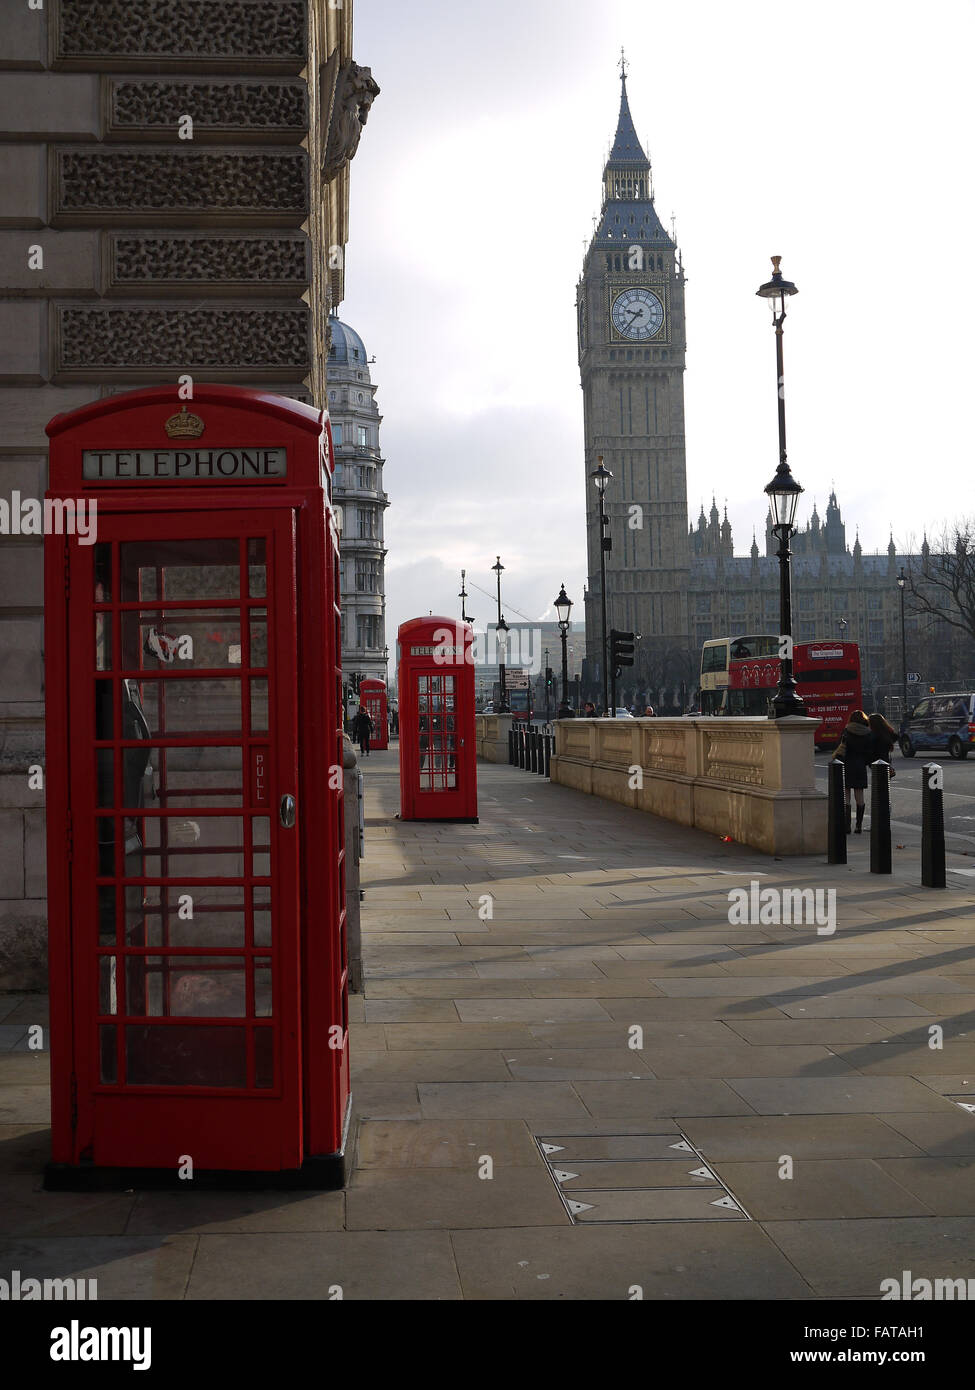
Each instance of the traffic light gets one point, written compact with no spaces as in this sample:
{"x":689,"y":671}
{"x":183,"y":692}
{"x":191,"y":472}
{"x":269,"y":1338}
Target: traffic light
{"x":549,"y":678}
{"x":620,"y":649}
{"x":354,"y":681}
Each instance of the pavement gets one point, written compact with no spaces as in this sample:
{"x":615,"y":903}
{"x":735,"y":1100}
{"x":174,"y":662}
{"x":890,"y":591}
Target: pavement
{"x":578,"y":1071}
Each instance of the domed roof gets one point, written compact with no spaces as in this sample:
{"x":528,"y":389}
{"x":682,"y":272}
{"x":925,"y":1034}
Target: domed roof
{"x":348,"y":349}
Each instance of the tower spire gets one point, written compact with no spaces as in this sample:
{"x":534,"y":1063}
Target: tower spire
{"x":626,"y":146}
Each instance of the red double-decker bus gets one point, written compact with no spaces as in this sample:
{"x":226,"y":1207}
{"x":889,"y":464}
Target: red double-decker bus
{"x":827,"y":676}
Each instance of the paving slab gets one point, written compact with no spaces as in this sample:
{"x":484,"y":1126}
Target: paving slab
{"x":24,"y":1148}
{"x":430,"y":1064}
{"x":835,"y":1095}
{"x":438,"y":1199}
{"x":26,"y":1210}
{"x":844,"y":1258}
{"x":821,"y":1189}
{"x":667,"y":1261}
{"x":409,"y":1010}
{"x":945,"y":1184}
{"x":566,"y":1064}
{"x":537,"y":1102}
{"x":445,"y":1143}
{"x":529,"y":1010}
{"x":155,"y":1213}
{"x":655,"y":1099}
{"x":767,"y":1137}
{"x":124,"y":1267}
{"x":378,"y":1266}
{"x":25,"y":1105}
{"x":936,"y":1133}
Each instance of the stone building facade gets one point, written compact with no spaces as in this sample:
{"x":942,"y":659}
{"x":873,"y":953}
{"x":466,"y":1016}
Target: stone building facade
{"x":174,"y":182}
{"x":358,"y":491}
{"x":678,"y":584}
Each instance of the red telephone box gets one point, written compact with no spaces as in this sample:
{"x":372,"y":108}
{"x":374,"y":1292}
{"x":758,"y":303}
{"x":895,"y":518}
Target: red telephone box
{"x":372,"y":698}
{"x":438,"y":750}
{"x":198,"y":957}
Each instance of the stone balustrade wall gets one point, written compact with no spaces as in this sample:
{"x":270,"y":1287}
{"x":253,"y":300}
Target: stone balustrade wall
{"x":753,"y":779}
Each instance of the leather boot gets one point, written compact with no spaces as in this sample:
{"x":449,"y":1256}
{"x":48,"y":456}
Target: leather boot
{"x":849,"y":820}
{"x":860,"y":811}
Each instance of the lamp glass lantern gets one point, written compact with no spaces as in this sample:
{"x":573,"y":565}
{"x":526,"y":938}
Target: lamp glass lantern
{"x":563,"y":607}
{"x":783,"y":493}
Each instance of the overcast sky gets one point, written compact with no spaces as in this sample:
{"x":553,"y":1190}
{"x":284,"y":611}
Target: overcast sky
{"x":836,"y":133}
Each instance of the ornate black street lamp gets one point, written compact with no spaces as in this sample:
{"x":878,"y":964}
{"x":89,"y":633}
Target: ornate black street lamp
{"x":601,"y":477}
{"x":902,"y":585}
{"x":563,"y":607}
{"x":502,"y":637}
{"x":783,"y":493}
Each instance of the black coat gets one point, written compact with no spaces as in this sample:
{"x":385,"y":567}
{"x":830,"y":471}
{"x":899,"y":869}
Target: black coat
{"x":858,"y":749}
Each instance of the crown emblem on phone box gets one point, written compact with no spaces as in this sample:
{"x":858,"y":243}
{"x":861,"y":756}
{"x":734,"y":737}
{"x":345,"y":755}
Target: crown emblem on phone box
{"x":184,"y":425}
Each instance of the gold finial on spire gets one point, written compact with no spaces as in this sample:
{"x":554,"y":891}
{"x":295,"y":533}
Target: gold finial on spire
{"x":623,"y":64}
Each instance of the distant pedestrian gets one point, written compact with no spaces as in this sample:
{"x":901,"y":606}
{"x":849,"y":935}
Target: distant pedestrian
{"x":362,"y":730}
{"x":648,"y":712}
{"x":856,"y":750}
{"x":885,"y":737}
{"x":590,"y":710}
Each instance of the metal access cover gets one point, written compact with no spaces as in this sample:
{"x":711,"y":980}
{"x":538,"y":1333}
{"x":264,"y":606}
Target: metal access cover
{"x":636,"y":1178}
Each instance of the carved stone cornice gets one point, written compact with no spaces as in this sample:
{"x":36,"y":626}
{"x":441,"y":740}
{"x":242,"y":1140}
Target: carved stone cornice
{"x":180,"y":35}
{"x":131,"y":343}
{"x":245,"y":110}
{"x":220,"y":263}
{"x":134,"y":186}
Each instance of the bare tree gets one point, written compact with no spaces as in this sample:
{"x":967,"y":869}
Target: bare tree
{"x":941,"y":582}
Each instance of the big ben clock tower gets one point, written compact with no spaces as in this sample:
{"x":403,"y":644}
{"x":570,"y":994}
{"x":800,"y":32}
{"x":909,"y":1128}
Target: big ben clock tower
{"x":630,"y":316}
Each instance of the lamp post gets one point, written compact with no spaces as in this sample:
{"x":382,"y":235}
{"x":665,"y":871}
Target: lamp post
{"x":783,"y":493}
{"x":601,"y":477}
{"x":502,"y":635}
{"x":563,"y":607}
{"x":386,"y":663}
{"x":465,"y":617}
{"x":902,"y":585}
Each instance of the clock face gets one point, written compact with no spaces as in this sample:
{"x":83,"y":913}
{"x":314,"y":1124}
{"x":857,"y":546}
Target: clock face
{"x":638,"y":314}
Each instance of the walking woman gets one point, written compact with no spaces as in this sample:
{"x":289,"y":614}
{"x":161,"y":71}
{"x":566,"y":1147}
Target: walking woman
{"x":857,"y":750}
{"x":885,"y":738}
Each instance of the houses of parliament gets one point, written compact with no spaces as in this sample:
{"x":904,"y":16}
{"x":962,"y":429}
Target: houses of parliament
{"x":678,"y":583}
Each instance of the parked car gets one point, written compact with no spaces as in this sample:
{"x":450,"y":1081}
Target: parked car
{"x":940,"y":722}
{"x":622,"y":713}
{"x":488,"y":708}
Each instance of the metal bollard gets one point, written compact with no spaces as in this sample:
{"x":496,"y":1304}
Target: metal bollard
{"x":512,"y":757}
{"x":537,"y":759}
{"x":932,"y":826}
{"x":522,"y":749}
{"x":532,"y":750}
{"x":549,"y":740}
{"x":880,"y":860}
{"x":836,"y":815}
